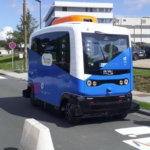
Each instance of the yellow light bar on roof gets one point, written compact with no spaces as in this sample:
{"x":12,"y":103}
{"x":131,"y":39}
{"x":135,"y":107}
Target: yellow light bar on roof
{"x":75,"y":18}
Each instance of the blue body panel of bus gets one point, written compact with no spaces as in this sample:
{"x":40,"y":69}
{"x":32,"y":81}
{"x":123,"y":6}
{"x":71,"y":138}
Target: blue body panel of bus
{"x":51,"y":81}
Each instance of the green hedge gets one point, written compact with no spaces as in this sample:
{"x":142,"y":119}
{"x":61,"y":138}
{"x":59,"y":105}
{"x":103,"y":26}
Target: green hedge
{"x":141,"y":46}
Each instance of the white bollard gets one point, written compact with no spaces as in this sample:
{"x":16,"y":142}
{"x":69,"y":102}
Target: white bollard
{"x":35,"y":136}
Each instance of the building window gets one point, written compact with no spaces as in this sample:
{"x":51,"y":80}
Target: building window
{"x":124,"y":20}
{"x":90,"y":9}
{"x":107,"y":20}
{"x":100,"y":20}
{"x":109,"y":10}
{"x":98,"y":10}
{"x":101,"y":9}
{"x":104,"y":20}
{"x":143,"y":21}
{"x":106,"y":9}
{"x":86,"y":9}
{"x":64,"y":9}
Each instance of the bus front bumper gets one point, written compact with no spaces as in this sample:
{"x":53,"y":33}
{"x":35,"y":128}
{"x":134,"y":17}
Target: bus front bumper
{"x":103,"y":106}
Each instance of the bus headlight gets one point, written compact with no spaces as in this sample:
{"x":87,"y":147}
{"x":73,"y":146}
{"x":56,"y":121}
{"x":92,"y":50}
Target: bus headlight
{"x":94,"y":83}
{"x":121,"y":82}
{"x":126,"y":81}
{"x":89,"y":82}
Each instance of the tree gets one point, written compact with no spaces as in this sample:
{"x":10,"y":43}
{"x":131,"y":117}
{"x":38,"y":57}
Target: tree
{"x":18,"y":35}
{"x":4,"y":43}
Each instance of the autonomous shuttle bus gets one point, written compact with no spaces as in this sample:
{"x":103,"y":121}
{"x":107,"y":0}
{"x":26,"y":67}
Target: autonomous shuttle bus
{"x":81,"y":68}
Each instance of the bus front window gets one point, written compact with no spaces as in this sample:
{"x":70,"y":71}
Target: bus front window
{"x":100,"y":49}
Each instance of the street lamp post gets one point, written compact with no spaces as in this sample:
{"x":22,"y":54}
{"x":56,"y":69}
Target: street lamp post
{"x":25,"y":34}
{"x":134,"y":32}
{"x":40,"y":12}
{"x":141,"y":28}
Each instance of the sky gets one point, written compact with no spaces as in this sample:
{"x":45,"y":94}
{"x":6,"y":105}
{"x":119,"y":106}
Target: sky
{"x":11,"y":10}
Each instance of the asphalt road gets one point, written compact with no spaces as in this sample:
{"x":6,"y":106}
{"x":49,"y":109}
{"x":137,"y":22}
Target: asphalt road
{"x":90,"y":134}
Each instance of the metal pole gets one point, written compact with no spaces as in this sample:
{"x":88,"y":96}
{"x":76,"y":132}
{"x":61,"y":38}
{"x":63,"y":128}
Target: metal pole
{"x":134,"y":34}
{"x":141,"y":29}
{"x":25,"y":35}
{"x":40,"y":16}
{"x":12,"y":58}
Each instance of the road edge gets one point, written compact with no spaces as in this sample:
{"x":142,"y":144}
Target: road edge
{"x":141,"y":68}
{"x":5,"y":74}
{"x":144,"y":112}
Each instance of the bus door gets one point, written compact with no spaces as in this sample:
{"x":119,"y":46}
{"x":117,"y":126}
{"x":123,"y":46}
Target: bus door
{"x":55,"y":66}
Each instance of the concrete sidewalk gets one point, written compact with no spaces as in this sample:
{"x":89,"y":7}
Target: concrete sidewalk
{"x":142,"y":63}
{"x":22,"y":76}
{"x":141,"y":96}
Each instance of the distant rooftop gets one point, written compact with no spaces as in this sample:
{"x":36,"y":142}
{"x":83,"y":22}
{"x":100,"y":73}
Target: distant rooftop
{"x":78,"y":5}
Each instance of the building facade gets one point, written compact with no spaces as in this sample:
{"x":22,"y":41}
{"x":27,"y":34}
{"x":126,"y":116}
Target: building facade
{"x":102,"y":11}
{"x":3,"y":51}
{"x":139,"y":28}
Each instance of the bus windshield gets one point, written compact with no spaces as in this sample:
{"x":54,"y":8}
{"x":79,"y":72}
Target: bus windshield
{"x":100,"y":49}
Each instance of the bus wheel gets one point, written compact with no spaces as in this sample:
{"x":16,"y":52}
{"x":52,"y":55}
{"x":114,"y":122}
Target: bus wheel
{"x":120,"y":117}
{"x":68,"y":114}
{"x":32,"y":101}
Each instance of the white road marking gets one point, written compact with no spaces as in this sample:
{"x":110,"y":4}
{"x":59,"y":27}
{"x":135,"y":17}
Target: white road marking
{"x":132,"y":135}
{"x":134,"y":131}
{"x":1,"y":77}
{"x":142,"y":144}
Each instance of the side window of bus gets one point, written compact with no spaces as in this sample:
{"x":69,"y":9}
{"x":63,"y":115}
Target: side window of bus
{"x":57,"y":44}
{"x":65,"y":52}
{"x":34,"y":45}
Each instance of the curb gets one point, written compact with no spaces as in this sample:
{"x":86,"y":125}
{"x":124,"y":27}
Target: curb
{"x":5,"y":74}
{"x":2,"y":74}
{"x":141,"y":68}
{"x":144,"y":112}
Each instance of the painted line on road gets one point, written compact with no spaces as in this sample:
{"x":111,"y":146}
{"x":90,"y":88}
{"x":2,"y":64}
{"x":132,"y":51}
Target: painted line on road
{"x":134,"y":130}
{"x":1,"y":77}
{"x":142,"y":143}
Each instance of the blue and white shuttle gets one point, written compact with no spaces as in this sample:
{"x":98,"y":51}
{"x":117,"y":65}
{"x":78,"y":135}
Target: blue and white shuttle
{"x":83,"y":69}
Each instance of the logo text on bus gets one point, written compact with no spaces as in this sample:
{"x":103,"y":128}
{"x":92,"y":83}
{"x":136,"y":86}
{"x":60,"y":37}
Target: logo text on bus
{"x":47,"y":59}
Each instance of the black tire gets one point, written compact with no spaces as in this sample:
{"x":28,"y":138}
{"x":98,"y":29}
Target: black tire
{"x":135,"y":57}
{"x":120,"y":117}
{"x":32,"y":101}
{"x":69,"y":116}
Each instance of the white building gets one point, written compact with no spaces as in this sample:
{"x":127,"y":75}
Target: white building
{"x":102,"y":11}
{"x":139,"y":28}
{"x":3,"y":51}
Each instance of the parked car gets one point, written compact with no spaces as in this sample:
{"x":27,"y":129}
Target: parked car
{"x":133,"y":43}
{"x":138,"y":53}
{"x":141,"y":43}
{"x":147,"y":51}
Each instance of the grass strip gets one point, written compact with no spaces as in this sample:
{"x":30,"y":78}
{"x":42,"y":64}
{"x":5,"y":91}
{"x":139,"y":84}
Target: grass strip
{"x":6,"y":62}
{"x":141,"y":72}
{"x":143,"y":105}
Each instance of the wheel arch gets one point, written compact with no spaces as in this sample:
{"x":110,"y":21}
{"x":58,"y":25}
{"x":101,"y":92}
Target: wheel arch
{"x":67,"y":97}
